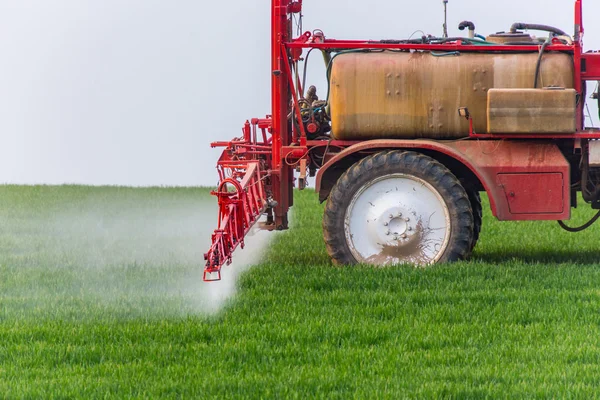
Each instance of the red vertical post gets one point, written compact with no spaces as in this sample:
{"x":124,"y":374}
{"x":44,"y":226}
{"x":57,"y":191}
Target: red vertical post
{"x":247,"y":132}
{"x":282,"y":173}
{"x":578,"y":50}
{"x":579,"y":20}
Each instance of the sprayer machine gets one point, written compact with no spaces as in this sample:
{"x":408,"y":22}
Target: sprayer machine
{"x":406,"y":137}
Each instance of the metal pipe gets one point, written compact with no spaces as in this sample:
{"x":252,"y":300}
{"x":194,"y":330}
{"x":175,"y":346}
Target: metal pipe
{"x":445,"y":18}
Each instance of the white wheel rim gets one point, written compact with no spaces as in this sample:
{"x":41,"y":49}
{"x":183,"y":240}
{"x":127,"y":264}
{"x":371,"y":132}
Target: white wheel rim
{"x":397,"y":219}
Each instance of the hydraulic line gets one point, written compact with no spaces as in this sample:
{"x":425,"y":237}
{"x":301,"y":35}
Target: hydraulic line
{"x":581,"y":228}
{"x":446,"y":54}
{"x":587,"y":196}
{"x":470,"y":41}
{"x":305,"y":68}
{"x":537,"y":27}
{"x":538,"y":66}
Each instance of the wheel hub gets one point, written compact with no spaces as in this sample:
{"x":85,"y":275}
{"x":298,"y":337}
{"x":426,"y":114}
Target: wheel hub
{"x":397,"y":219}
{"x":399,"y":226}
{"x":394,"y":225}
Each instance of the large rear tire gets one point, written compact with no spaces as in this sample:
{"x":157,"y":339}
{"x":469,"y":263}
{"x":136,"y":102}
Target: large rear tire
{"x":398,"y":207}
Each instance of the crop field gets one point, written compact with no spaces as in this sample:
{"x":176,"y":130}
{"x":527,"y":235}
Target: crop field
{"x":101,"y":297}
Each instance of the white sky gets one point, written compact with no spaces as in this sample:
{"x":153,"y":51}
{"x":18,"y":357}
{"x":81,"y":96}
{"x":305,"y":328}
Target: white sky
{"x":131,"y":92}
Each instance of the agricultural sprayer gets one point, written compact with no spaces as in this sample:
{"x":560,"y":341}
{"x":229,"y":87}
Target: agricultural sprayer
{"x":407,"y":136}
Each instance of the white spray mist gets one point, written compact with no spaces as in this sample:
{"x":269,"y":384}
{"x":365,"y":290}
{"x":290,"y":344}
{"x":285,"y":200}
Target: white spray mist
{"x":133,"y":254}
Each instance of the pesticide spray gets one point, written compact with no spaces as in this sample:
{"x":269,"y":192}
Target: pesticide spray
{"x":133,"y":252}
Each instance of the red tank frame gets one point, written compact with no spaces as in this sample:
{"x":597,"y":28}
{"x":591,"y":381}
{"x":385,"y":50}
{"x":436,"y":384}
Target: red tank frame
{"x":257,"y":171}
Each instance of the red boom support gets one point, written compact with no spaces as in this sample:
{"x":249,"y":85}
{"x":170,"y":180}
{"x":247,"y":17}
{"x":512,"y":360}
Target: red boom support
{"x":241,"y":194}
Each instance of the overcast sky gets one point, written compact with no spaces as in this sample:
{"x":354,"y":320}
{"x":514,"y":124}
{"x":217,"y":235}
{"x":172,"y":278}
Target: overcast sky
{"x":131,"y":92}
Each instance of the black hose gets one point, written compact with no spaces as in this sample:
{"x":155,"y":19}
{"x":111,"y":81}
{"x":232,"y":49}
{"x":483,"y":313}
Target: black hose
{"x":423,"y":40}
{"x":538,"y":66}
{"x":581,"y":228}
{"x":305,"y":67}
{"x":588,"y":196}
{"x":466,"y":24}
{"x":536,"y":27}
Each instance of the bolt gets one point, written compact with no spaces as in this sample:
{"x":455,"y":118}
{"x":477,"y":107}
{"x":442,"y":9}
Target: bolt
{"x":388,"y":233}
{"x":410,"y":228}
{"x":407,"y":219}
{"x":404,"y":236}
{"x":395,"y":237}
{"x":385,"y":224}
{"x":399,"y":214}
{"x":391,"y":216}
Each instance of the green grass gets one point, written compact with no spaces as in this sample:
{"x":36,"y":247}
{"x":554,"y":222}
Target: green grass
{"x":100,"y":297}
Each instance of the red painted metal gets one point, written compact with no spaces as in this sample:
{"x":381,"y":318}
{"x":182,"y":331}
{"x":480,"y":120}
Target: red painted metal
{"x":523,"y":191}
{"x":486,"y":160}
{"x":579,"y":31}
{"x":242,"y":193}
{"x":458,"y":46}
{"x":591,"y":66}
{"x":259,"y":165}
{"x":239,"y":210}
{"x":281,"y":96}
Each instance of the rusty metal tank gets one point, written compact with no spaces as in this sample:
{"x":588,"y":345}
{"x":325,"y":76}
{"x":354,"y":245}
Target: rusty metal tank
{"x":416,"y":95}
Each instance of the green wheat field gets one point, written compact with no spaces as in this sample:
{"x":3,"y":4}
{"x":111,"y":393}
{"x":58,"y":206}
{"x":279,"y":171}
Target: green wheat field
{"x":101,"y":297}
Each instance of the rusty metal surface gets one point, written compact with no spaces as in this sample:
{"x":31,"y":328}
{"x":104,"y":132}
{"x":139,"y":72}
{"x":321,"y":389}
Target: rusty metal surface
{"x":507,"y":37}
{"x":539,"y":111}
{"x":416,"y":95}
{"x":488,"y":160}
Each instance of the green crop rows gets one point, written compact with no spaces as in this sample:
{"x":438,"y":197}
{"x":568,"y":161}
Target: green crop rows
{"x":100,"y":297}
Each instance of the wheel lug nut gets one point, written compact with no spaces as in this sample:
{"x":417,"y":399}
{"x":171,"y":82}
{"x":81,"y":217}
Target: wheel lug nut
{"x":388,"y":233}
{"x":385,"y":224}
{"x":407,"y":219}
{"x":404,"y":236}
{"x":410,"y":229}
{"x":391,"y":216}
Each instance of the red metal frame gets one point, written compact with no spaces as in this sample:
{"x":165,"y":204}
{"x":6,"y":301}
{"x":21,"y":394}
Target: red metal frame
{"x":488,"y":161}
{"x":261,"y":168}
{"x":238,"y":212}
